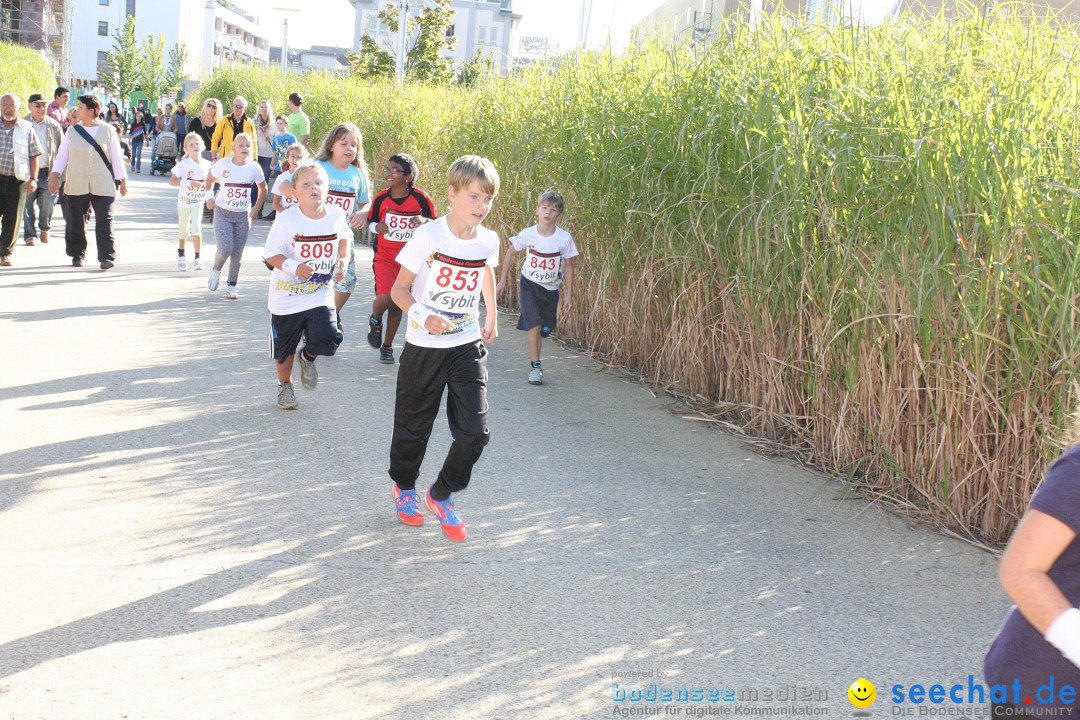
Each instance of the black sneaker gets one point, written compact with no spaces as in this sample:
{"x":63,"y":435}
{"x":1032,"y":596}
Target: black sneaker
{"x":374,"y":333}
{"x":106,"y":264}
{"x":386,"y":355}
{"x":76,"y":262}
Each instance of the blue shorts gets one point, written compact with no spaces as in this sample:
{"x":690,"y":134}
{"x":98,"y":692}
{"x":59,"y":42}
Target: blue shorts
{"x":318,"y":327}
{"x":538,"y":307}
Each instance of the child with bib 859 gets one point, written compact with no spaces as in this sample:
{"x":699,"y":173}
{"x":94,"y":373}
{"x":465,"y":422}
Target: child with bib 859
{"x":547,"y":267}
{"x":234,"y":209}
{"x":190,"y":176}
{"x":446,"y":267}
{"x":282,"y":199}
{"x":307,"y":246}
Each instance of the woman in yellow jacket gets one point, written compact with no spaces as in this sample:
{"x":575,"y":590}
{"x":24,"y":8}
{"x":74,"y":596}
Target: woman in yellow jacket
{"x":229,"y":127}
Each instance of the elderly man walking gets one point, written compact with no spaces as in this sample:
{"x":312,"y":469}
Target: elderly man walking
{"x":39,"y":203}
{"x":230,"y":126}
{"x":19,"y":151}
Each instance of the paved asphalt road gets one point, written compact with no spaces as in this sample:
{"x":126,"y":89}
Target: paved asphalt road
{"x":175,"y":546}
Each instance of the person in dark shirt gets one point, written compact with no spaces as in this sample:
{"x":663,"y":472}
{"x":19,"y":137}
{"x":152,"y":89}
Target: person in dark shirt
{"x":1039,"y":643}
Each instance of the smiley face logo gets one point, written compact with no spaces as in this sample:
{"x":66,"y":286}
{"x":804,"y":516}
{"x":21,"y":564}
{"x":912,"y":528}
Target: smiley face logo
{"x":862,"y":693}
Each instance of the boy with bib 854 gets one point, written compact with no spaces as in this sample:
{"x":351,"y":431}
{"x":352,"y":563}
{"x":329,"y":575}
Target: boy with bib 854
{"x":308,"y":247}
{"x":446,"y":267}
{"x":547,"y":267}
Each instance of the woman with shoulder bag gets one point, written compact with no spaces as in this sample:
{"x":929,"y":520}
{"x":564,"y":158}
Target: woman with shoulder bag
{"x":92,"y":166}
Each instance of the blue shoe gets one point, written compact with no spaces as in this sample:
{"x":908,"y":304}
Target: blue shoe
{"x":408,"y":506}
{"x":452,"y":526}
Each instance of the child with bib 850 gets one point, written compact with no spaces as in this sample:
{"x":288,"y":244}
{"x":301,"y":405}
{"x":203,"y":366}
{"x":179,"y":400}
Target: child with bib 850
{"x":190,"y":176}
{"x":307,"y":247}
{"x":342,"y":156}
{"x":547,"y":266}
{"x":233,"y":209}
{"x":395,"y":213}
{"x":446,"y":267}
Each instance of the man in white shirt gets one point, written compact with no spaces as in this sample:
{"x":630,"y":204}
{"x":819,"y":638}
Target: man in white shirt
{"x":19,"y":151}
{"x":39,"y":204}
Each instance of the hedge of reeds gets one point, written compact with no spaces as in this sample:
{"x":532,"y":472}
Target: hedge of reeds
{"x":24,"y":71}
{"x":860,"y":242}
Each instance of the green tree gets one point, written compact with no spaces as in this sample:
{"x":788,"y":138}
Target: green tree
{"x":176,"y":73}
{"x":475,"y":69}
{"x":123,"y":71}
{"x":426,"y":38}
{"x":154,"y":78}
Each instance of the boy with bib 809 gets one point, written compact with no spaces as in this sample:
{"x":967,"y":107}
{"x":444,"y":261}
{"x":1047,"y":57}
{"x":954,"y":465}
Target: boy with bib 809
{"x":308,"y":247}
{"x":446,"y":267}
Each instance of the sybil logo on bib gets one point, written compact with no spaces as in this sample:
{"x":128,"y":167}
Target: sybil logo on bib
{"x":399,"y":228}
{"x":542,"y":268}
{"x":236,"y":196}
{"x":318,"y":252}
{"x":453,"y":289}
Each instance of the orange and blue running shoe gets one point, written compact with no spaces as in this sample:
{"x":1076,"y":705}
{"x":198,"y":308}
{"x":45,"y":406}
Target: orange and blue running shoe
{"x":408,"y":506}
{"x":452,"y":526}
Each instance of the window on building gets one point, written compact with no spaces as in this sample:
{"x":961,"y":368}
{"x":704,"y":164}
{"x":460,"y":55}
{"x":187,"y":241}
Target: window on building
{"x":102,"y":60}
{"x":103,"y":28}
{"x":450,"y":31}
{"x":493,"y":37}
{"x":130,"y":7}
{"x":102,"y":2}
{"x":218,"y":24}
{"x":482,"y":35}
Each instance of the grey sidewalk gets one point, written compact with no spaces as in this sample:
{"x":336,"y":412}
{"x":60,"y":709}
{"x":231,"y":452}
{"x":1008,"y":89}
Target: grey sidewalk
{"x":174,"y":546}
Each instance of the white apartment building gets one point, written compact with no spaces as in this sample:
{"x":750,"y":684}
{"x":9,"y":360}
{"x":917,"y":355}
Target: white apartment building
{"x":487,"y":25}
{"x":214,"y":31}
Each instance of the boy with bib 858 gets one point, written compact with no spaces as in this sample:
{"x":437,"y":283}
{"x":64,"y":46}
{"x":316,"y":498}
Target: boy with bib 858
{"x":446,"y":267}
{"x":308,"y":247}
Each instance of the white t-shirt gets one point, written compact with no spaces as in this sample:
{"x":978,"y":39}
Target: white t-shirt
{"x":544,"y":255}
{"x":235,"y":191}
{"x":312,"y":242}
{"x":191,"y":175}
{"x":449,"y":275}
{"x":286,"y":200}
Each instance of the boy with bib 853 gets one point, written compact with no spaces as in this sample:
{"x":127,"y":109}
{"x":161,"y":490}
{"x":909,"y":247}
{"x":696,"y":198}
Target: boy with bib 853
{"x":547,"y":267}
{"x":446,"y":267}
{"x":308,"y":247}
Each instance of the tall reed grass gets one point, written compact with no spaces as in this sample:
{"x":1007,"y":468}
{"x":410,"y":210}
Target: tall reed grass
{"x":858,"y":241}
{"x":24,"y":71}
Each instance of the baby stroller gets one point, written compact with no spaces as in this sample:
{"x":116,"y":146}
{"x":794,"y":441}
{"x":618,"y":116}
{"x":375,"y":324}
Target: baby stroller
{"x":166,"y":154}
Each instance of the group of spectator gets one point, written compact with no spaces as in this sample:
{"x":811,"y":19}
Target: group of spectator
{"x":76,"y":157}
{"x":53,"y":155}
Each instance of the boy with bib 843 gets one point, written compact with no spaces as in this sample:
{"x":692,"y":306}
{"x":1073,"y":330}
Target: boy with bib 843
{"x":547,"y":268}
{"x":446,"y":267}
{"x":308,"y":247}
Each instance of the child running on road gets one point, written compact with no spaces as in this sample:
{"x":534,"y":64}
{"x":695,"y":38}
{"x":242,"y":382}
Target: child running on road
{"x":395,"y":213}
{"x":190,"y":176}
{"x":446,"y":267}
{"x":283,"y":200}
{"x":307,"y":247}
{"x":342,"y":156}
{"x":548,"y":265}
{"x":233,"y":209}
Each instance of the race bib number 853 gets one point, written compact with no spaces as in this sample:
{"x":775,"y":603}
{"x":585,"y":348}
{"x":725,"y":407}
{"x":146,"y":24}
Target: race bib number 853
{"x":453,"y":285}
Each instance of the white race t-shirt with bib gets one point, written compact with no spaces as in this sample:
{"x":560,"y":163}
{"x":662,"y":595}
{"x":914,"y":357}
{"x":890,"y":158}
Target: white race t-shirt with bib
{"x":311,"y":242}
{"x":191,"y":175}
{"x":449,"y":275}
{"x":235,"y":191}
{"x":286,"y":200}
{"x":544,"y":255}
